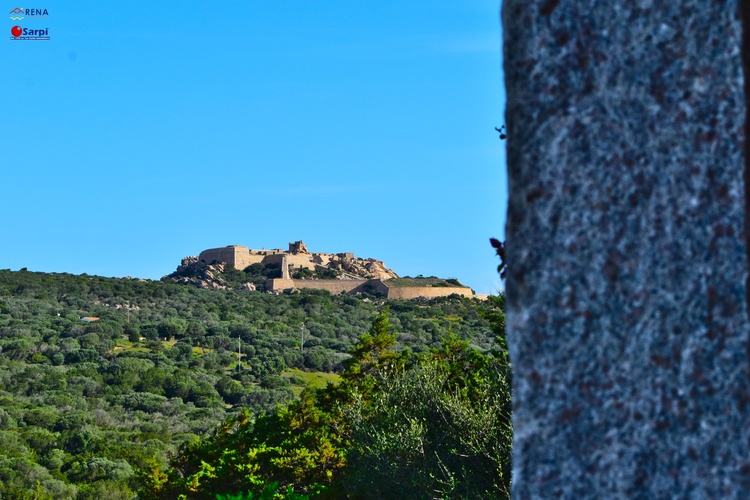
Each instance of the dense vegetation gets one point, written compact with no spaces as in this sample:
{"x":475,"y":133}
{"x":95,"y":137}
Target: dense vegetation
{"x":93,"y":410}
{"x":433,"y":426}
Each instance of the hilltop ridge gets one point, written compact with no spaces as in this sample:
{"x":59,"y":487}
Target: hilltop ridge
{"x":277,"y":271}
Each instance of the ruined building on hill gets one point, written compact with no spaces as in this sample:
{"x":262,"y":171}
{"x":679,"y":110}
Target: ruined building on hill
{"x":300,"y":269}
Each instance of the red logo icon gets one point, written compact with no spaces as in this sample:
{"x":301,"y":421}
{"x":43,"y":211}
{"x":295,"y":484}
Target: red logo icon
{"x":16,"y":31}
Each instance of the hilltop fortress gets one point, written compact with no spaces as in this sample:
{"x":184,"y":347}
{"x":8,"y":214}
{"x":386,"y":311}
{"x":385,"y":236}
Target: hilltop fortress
{"x":299,"y":269}
{"x":298,"y":256}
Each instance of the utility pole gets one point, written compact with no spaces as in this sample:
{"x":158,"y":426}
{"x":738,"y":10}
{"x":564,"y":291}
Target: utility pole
{"x":239,"y":353}
{"x":302,"y":337}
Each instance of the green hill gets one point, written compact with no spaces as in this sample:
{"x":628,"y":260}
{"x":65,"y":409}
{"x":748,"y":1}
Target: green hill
{"x":85,"y":405}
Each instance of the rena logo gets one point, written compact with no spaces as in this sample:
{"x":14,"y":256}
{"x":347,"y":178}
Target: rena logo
{"x":16,"y":31}
{"x":18,"y":13}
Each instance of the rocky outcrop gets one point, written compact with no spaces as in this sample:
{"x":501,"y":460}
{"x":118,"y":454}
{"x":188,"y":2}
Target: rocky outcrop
{"x":362,"y":268}
{"x":198,"y":274}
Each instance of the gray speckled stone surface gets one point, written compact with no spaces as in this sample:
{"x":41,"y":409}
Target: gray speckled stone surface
{"x":626,"y":291}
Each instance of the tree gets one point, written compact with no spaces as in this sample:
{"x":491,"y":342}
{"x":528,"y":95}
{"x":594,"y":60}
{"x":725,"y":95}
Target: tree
{"x":229,"y":389}
{"x":372,"y":359}
{"x":396,"y":426}
{"x":440,"y":429}
{"x":302,"y":445}
{"x":132,"y":332}
{"x":182,"y":351}
{"x":172,"y":328}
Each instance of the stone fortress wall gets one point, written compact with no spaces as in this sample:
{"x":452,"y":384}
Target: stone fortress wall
{"x":298,"y":261}
{"x":298,"y":257}
{"x":238,"y":256}
{"x":334,"y":286}
{"x":372,"y":285}
{"x":412,"y":292}
{"x":241,"y":256}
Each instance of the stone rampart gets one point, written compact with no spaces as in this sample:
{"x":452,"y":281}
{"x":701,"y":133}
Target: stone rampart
{"x":296,"y":260}
{"x":237,"y":255}
{"x":413,"y":292}
{"x":379,"y":287}
{"x":333,"y":286}
{"x":279,"y":284}
{"x":370,"y":286}
{"x":224,"y":254}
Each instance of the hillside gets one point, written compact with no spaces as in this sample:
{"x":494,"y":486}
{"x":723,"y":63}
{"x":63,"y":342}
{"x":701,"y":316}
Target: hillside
{"x":84,"y":406}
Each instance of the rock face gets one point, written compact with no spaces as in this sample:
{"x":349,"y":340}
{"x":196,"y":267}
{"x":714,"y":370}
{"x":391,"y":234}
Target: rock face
{"x":195,"y":273}
{"x":627,"y":260}
{"x":361,"y":268}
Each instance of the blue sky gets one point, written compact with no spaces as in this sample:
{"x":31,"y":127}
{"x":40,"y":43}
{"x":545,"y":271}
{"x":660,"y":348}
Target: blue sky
{"x":142,"y":132}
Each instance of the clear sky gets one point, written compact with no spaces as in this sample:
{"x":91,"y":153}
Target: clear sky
{"x":143,"y":132}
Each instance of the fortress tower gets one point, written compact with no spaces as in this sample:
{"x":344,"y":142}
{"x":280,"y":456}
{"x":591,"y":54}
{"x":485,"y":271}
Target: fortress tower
{"x":237,"y":255}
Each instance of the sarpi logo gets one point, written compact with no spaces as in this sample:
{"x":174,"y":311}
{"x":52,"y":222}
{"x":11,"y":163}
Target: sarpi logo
{"x":19,"y":33}
{"x":18,"y":13}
